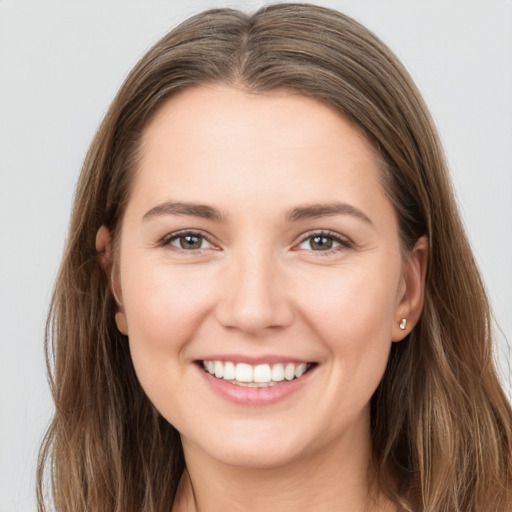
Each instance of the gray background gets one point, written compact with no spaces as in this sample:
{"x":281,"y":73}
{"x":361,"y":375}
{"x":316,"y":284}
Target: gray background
{"x":60,"y":65}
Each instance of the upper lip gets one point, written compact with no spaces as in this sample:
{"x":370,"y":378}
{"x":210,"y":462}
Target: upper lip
{"x":254,"y":360}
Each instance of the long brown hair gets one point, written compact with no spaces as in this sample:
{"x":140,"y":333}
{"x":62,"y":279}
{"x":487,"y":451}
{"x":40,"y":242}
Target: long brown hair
{"x":441,"y":424}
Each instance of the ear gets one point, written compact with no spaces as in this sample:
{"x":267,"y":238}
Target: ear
{"x":412,"y":291}
{"x":104,"y":250}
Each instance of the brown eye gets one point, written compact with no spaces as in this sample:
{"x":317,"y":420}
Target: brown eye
{"x":187,"y":241}
{"x":321,"y":243}
{"x":190,"y":242}
{"x":325,"y":242}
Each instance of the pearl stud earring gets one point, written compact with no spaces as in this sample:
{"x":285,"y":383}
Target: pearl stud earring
{"x":403,"y":324}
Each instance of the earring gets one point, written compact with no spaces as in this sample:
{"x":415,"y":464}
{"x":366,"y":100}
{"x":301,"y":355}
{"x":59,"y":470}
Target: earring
{"x":403,"y":324}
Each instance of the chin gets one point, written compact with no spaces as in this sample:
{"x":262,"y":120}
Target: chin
{"x":252,"y":448}
{"x":256,"y":458}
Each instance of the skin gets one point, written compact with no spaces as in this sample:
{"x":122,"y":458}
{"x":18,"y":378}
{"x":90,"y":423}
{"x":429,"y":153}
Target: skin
{"x":259,"y":286}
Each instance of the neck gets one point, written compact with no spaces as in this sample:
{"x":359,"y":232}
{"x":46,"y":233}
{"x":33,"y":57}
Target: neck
{"x":336,"y":478}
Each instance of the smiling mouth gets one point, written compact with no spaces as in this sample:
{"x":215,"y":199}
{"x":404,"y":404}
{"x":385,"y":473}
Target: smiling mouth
{"x":258,"y":376}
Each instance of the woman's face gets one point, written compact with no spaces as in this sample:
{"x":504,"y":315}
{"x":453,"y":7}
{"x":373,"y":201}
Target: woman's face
{"x":258,"y":243}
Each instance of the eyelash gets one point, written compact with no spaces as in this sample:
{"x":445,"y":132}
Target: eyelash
{"x":343,"y":242}
{"x":166,"y":241}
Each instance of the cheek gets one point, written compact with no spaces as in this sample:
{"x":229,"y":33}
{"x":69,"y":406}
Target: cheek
{"x":352,"y":317}
{"x":354,"y":303}
{"x":164,"y":309}
{"x":354,"y":322}
{"x":163,"y":303}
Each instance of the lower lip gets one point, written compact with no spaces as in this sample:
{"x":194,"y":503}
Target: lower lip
{"x":243,"y":395}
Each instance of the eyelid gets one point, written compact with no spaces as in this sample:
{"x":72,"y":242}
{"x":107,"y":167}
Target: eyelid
{"x":343,"y":241}
{"x":168,"y":238}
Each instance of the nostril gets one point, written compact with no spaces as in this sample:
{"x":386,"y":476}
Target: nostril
{"x":253,"y":297}
{"x":252,"y":315}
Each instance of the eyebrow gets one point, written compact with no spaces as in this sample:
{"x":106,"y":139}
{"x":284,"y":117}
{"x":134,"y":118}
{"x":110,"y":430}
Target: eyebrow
{"x":313,"y":211}
{"x":191,"y":209}
{"x":309,"y":211}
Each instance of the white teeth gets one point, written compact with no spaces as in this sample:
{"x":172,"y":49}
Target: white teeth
{"x":229,"y":371}
{"x":289,"y":371}
{"x":299,"y":371}
{"x":278,"y":372}
{"x":243,"y":372}
{"x":261,"y":375}
{"x":219,"y":369}
{"x":254,"y":384}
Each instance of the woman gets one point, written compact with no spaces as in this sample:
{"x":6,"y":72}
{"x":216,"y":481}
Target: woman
{"x":267,"y":300}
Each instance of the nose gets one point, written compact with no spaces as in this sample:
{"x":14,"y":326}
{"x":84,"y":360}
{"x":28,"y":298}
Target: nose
{"x":254,"y":294}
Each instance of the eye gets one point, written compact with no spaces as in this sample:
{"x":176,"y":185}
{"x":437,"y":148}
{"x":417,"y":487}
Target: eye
{"x":187,"y":241}
{"x":324,"y":242}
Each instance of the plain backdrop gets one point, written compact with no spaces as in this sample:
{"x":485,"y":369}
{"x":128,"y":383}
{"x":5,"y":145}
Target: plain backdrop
{"x":61,"y":63}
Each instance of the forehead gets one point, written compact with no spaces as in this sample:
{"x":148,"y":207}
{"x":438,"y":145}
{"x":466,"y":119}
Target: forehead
{"x":217,"y":143}
{"x":280,"y":118}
